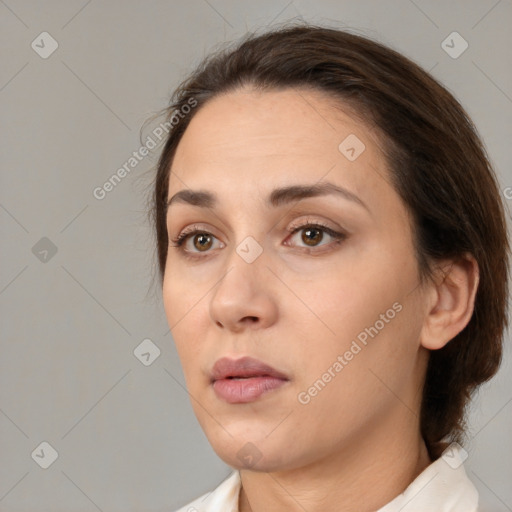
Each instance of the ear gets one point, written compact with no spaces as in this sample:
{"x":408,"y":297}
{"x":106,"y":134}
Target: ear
{"x":451,"y":301}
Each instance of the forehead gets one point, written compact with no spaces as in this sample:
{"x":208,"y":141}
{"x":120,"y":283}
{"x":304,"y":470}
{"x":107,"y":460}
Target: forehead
{"x":249,"y":141}
{"x":254,"y":124}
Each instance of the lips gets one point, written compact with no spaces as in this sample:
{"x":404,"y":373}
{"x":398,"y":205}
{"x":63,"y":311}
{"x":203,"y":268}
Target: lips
{"x":244,"y":380}
{"x":246,"y":367}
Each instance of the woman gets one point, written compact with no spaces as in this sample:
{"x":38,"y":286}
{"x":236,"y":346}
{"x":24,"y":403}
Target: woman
{"x":333,"y":255}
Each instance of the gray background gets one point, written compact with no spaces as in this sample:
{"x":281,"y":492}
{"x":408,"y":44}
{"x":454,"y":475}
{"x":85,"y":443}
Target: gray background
{"x":125,"y":433}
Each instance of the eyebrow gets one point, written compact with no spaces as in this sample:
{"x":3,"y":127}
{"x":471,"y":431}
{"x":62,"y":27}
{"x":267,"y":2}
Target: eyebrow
{"x":278,"y":197}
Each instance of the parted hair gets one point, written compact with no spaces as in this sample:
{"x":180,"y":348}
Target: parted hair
{"x":437,"y":163}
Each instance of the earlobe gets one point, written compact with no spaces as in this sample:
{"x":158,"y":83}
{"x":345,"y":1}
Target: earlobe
{"x":452,"y":302}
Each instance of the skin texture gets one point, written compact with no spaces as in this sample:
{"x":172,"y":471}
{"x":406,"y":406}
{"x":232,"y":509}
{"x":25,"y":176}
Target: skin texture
{"x":356,"y":444}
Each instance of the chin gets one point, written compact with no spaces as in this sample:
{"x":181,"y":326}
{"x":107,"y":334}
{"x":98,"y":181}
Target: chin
{"x":254,"y":450}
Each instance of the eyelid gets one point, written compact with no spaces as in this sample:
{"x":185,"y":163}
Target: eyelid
{"x":181,"y":238}
{"x":192,"y":229}
{"x":309,"y":220}
{"x":338,"y":235}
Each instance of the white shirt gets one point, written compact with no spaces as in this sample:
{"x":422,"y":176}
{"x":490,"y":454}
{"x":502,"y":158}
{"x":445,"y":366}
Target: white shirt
{"x":442,"y":487}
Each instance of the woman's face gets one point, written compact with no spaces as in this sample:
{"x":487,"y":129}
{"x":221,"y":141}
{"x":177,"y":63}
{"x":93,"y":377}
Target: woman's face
{"x":321,"y":287}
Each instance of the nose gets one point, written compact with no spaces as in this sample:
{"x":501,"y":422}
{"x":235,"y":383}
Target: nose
{"x":245,"y":297}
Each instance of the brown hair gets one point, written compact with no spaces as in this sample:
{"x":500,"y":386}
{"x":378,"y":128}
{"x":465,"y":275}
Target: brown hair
{"x":438,"y":166}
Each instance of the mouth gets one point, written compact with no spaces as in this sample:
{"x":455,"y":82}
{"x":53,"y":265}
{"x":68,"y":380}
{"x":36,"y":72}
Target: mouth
{"x":244,"y":380}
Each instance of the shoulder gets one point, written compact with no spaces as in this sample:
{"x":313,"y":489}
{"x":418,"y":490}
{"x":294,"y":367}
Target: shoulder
{"x":225,"y":495}
{"x":195,"y":506}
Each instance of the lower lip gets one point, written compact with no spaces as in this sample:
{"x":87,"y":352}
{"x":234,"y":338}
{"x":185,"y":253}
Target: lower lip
{"x":239,"y":391}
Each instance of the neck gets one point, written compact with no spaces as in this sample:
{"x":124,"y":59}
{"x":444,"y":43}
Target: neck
{"x":363,"y":476}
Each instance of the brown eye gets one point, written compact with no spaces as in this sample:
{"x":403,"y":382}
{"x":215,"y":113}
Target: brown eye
{"x":195,"y":241}
{"x":312,"y":236}
{"x":202,"y":241}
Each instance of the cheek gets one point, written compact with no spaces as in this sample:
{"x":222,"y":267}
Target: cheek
{"x":364,"y":313}
{"x":181,"y":310}
{"x":344,"y":304}
{"x":347,"y":383}
{"x":178,"y":295}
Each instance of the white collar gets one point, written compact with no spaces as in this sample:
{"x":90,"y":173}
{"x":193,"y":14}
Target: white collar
{"x":442,"y":487}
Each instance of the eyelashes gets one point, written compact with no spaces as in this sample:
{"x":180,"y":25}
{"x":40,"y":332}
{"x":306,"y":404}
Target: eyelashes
{"x":180,"y":241}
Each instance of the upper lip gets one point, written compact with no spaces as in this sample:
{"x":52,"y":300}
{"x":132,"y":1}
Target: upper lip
{"x":243,"y":367}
